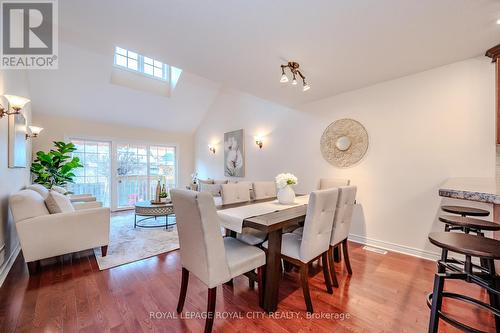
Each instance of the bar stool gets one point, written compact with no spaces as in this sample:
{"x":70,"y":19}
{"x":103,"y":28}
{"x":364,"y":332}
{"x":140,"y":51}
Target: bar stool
{"x":463,"y":212}
{"x":471,"y":246}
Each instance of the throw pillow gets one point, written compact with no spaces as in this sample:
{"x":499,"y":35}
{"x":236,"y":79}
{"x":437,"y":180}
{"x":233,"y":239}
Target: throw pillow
{"x":221,"y":181}
{"x":58,"y":203}
{"x":59,"y":189}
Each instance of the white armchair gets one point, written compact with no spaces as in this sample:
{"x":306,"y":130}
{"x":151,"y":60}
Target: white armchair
{"x":44,"y":235}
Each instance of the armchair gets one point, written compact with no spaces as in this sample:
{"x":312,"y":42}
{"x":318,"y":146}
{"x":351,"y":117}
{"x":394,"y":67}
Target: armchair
{"x":43,"y":235}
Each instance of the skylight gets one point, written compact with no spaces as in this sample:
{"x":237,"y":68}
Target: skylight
{"x":147,"y":66}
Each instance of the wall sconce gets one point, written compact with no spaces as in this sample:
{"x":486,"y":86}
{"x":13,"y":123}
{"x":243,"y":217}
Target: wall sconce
{"x":34,"y":130}
{"x":258,"y":141}
{"x":16,"y":103}
{"x":211,"y":148}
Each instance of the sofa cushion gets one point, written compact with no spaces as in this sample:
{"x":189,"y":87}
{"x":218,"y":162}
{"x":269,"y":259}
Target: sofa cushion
{"x":26,"y":204}
{"x":213,"y":189}
{"x":40,"y":189}
{"x":220,"y":181}
{"x":58,"y":203}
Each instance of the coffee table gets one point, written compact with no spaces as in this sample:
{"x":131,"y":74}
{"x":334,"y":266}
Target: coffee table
{"x":148,"y":210}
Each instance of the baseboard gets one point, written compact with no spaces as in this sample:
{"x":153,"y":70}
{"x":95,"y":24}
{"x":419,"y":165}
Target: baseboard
{"x":395,"y":247}
{"x":9,"y":263}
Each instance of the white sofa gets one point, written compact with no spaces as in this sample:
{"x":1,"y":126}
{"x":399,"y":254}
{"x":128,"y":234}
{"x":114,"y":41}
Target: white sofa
{"x":44,"y":235}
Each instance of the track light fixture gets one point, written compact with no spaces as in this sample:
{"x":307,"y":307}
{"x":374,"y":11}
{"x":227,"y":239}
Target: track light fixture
{"x":294,"y":69}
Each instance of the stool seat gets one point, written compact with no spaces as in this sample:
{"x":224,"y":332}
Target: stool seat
{"x":467,"y":244}
{"x":469,"y":222}
{"x":465,"y":211}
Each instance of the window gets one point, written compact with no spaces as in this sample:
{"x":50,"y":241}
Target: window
{"x":95,"y":176}
{"x":145,"y":65}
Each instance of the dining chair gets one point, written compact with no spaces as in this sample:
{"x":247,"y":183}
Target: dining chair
{"x":238,"y":193}
{"x":340,"y":231}
{"x":301,"y":250}
{"x":235,"y":193}
{"x":264,"y":190}
{"x":205,"y":253}
{"x":325,"y":183}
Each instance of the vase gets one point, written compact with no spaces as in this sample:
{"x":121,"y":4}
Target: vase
{"x":286,"y":195}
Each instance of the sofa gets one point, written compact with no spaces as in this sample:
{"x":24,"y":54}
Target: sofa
{"x":44,"y":235}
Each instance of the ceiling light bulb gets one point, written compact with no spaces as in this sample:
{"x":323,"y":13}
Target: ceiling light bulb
{"x":498,"y":21}
{"x":284,"y":78}
{"x":294,"y":82}
{"x":306,"y":87}
{"x":16,"y":102}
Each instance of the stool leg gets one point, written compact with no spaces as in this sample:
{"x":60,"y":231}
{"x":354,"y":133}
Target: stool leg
{"x":494,"y":299}
{"x":484,"y":262}
{"x":437,"y":299}
{"x":444,"y":252}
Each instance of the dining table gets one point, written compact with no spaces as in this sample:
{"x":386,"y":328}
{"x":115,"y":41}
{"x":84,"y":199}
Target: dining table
{"x":273,"y":223}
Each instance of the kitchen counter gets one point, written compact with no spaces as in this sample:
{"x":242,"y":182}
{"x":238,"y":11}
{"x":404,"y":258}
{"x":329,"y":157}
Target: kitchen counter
{"x":473,"y":189}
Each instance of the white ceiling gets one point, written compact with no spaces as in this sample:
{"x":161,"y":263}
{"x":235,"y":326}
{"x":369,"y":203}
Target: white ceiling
{"x":340,"y":44}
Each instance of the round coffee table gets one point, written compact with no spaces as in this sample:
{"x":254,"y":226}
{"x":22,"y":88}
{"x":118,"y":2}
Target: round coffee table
{"x":149,"y":210}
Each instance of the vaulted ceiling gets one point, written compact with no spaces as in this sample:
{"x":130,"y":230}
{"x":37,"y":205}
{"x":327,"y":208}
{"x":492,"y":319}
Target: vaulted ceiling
{"x":341,"y":45}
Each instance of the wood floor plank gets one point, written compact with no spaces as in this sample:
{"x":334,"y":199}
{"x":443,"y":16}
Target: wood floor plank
{"x":386,"y":293}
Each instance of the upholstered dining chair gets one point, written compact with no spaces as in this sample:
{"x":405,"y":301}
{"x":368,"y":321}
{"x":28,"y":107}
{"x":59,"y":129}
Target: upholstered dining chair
{"x":205,"y":253}
{"x":301,"y":250}
{"x":235,"y":193}
{"x":239,"y":193}
{"x":341,"y":226}
{"x":325,"y":183}
{"x":264,"y":190}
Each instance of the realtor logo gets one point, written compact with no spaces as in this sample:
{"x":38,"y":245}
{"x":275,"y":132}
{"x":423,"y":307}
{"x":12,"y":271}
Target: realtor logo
{"x":29,"y":35}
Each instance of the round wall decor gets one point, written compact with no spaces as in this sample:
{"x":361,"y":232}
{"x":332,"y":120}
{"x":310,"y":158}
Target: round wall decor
{"x":344,"y":143}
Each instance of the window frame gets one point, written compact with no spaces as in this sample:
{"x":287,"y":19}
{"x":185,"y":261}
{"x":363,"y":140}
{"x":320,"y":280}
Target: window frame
{"x":166,"y":72}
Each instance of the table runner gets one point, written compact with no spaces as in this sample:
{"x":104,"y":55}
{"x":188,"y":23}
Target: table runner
{"x":232,"y":218}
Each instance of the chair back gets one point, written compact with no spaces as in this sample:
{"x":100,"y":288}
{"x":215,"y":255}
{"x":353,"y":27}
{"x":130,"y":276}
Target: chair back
{"x":318,"y":224}
{"x":343,"y":216}
{"x":325,"y":183}
{"x":200,"y":239}
{"x":234,"y":193}
{"x":264,"y":190}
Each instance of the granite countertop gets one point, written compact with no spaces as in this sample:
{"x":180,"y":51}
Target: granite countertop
{"x":473,"y":189}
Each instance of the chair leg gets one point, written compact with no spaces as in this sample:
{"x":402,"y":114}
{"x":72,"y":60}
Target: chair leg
{"x":326,"y":274}
{"x":437,"y":298}
{"x":212,"y":296}
{"x":331,"y":263}
{"x":495,"y":284}
{"x":260,"y":283}
{"x":346,"y":256}
{"x":184,"y":286}
{"x":304,"y":279}
{"x":104,"y":250}
{"x":33,"y":267}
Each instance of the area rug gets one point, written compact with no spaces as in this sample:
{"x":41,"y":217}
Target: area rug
{"x":127,"y":244}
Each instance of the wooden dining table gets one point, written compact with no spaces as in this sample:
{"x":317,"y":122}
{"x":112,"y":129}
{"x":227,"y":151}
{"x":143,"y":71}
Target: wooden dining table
{"x":273,"y":224}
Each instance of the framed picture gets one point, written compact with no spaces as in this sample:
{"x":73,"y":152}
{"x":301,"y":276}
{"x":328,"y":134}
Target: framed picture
{"x":17,"y":141}
{"x":234,"y":154}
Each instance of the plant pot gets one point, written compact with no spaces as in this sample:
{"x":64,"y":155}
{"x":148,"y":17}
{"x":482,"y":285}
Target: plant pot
{"x":163,"y":200}
{"x":286,"y":195}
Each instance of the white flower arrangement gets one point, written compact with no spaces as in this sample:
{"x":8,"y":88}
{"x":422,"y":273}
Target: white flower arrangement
{"x":285,"y":179}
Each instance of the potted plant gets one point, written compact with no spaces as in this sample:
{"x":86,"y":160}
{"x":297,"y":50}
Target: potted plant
{"x":163,"y":194}
{"x":55,"y":167}
{"x":284,"y":182}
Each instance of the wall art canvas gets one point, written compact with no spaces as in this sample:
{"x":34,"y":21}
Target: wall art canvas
{"x":17,"y":141}
{"x":234,"y":154}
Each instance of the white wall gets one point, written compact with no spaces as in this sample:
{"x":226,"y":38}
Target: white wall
{"x":12,"y":82}
{"x":423,"y":129}
{"x":61,"y":128}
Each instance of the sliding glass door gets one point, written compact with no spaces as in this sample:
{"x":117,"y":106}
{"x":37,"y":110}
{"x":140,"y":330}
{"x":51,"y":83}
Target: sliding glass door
{"x":95,"y":177}
{"x":136,"y":171}
{"x":131,"y":174}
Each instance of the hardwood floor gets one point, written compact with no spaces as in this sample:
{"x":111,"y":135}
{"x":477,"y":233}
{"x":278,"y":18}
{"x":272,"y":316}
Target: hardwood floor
{"x":386,"y":293}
